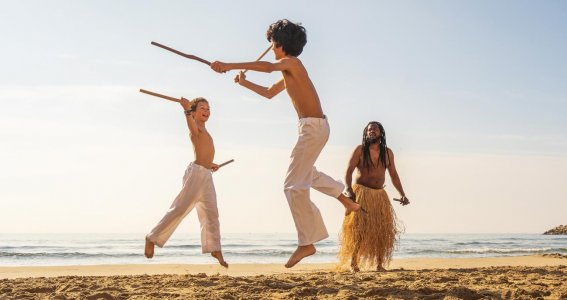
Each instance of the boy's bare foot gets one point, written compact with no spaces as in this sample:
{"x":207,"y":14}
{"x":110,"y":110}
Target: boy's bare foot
{"x":149,"y":250}
{"x":349,"y":204}
{"x":300,"y":253}
{"x":380,"y":269}
{"x":218,"y":256}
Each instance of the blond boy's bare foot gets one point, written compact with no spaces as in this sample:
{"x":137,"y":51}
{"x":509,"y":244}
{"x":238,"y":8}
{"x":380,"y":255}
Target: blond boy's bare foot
{"x":149,"y":250}
{"x":349,"y":204}
{"x":218,"y":256}
{"x":300,"y":253}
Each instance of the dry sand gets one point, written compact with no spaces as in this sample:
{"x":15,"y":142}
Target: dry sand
{"x":527,"y":277}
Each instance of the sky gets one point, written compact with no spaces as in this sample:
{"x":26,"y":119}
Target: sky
{"x":472,"y":95}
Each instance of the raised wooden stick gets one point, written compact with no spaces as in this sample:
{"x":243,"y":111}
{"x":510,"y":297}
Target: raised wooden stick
{"x":226,"y":163}
{"x":262,"y":55}
{"x":182,"y":54}
{"x":160,"y":95}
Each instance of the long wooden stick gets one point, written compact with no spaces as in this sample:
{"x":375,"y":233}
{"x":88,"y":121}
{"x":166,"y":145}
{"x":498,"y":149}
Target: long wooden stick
{"x":226,"y":163}
{"x":182,"y":54}
{"x":261,"y":55}
{"x":160,"y":95}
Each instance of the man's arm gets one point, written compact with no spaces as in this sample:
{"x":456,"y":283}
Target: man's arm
{"x":269,"y":93}
{"x":353,"y":162}
{"x":193,"y":129}
{"x":394,"y":175}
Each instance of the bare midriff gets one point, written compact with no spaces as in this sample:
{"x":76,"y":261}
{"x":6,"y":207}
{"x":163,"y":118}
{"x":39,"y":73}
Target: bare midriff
{"x":303,"y":94}
{"x":204,"y":149}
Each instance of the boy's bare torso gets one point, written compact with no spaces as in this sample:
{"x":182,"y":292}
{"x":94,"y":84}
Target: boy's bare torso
{"x":301,"y":90}
{"x":204,"y":148}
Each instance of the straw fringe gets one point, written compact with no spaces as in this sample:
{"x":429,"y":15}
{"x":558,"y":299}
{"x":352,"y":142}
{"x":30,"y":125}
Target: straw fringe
{"x":369,"y":238}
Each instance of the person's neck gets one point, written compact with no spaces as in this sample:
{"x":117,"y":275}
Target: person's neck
{"x":201,"y":125}
{"x":375,"y":145}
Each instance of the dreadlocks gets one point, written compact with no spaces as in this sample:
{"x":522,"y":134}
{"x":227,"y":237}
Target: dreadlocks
{"x":367,"y":141}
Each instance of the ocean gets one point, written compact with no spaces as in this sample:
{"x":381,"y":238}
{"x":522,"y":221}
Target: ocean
{"x":92,"y":249}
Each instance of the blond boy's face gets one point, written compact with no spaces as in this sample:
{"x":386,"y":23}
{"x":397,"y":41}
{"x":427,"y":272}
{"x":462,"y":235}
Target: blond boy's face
{"x":202,"y":112}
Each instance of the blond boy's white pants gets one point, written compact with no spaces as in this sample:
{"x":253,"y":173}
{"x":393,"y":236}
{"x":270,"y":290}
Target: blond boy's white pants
{"x":198,"y":192}
{"x":302,"y":175}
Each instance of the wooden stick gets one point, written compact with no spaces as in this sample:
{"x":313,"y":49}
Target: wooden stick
{"x":262,"y":55}
{"x":182,"y":54}
{"x":226,"y":163}
{"x":160,"y":95}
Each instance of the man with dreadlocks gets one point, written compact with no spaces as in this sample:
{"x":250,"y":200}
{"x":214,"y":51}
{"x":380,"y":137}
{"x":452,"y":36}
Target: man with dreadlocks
{"x":369,"y":239}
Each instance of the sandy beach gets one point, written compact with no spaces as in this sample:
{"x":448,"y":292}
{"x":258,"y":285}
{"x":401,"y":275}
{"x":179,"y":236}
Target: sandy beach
{"x":525,"y":277}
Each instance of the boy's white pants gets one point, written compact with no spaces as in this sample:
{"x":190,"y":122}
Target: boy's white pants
{"x":198,"y":191}
{"x":302,"y":175}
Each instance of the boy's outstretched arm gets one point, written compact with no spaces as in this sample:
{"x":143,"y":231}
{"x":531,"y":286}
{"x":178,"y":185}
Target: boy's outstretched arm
{"x":269,"y":93}
{"x":260,"y":66}
{"x":193,"y":129}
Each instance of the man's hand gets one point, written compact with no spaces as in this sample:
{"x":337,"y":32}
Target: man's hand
{"x":214,"y":167}
{"x":403,"y":201}
{"x":186,"y":104}
{"x":349,"y":193}
{"x":219,"y":67}
{"x":240,"y":77}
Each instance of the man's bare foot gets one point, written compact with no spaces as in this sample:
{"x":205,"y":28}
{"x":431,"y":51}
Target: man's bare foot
{"x":218,"y":256}
{"x":349,"y":204}
{"x":354,"y":268}
{"x":149,"y":250}
{"x":300,"y":253}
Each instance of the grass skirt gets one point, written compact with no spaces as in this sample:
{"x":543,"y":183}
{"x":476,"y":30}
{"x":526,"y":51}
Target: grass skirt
{"x":369,"y":238}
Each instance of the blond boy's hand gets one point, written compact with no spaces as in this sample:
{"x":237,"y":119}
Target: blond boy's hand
{"x":240,"y":77}
{"x":214,"y":167}
{"x":186,"y":104}
{"x":219,"y":67}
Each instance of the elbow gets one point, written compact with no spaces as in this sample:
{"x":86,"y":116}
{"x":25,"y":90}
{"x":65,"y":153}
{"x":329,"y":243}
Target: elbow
{"x":269,"y":94}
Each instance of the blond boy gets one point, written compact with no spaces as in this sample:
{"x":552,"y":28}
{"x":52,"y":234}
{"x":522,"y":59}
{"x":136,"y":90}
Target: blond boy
{"x":198,"y":190}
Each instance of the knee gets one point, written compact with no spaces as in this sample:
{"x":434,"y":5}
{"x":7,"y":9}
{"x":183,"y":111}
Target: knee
{"x":293,"y":191}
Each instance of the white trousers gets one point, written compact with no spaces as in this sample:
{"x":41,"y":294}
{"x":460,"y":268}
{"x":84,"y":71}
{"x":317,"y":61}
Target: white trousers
{"x":302,"y":175}
{"x":198,"y":191}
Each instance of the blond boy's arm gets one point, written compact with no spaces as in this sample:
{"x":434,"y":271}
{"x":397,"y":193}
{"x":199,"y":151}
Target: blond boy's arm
{"x":193,"y":129}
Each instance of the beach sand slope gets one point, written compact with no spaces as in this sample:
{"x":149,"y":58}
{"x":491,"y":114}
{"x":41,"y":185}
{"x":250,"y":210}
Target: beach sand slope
{"x":547,"y":282}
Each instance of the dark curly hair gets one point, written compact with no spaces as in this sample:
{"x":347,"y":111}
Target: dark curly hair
{"x":366,"y":142}
{"x":288,"y":35}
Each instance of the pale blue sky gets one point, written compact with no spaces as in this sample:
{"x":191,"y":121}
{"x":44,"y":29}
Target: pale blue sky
{"x":472,"y":95}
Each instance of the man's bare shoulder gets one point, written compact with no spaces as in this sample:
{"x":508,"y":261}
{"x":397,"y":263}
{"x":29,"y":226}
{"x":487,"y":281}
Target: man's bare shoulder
{"x":357,"y":149}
